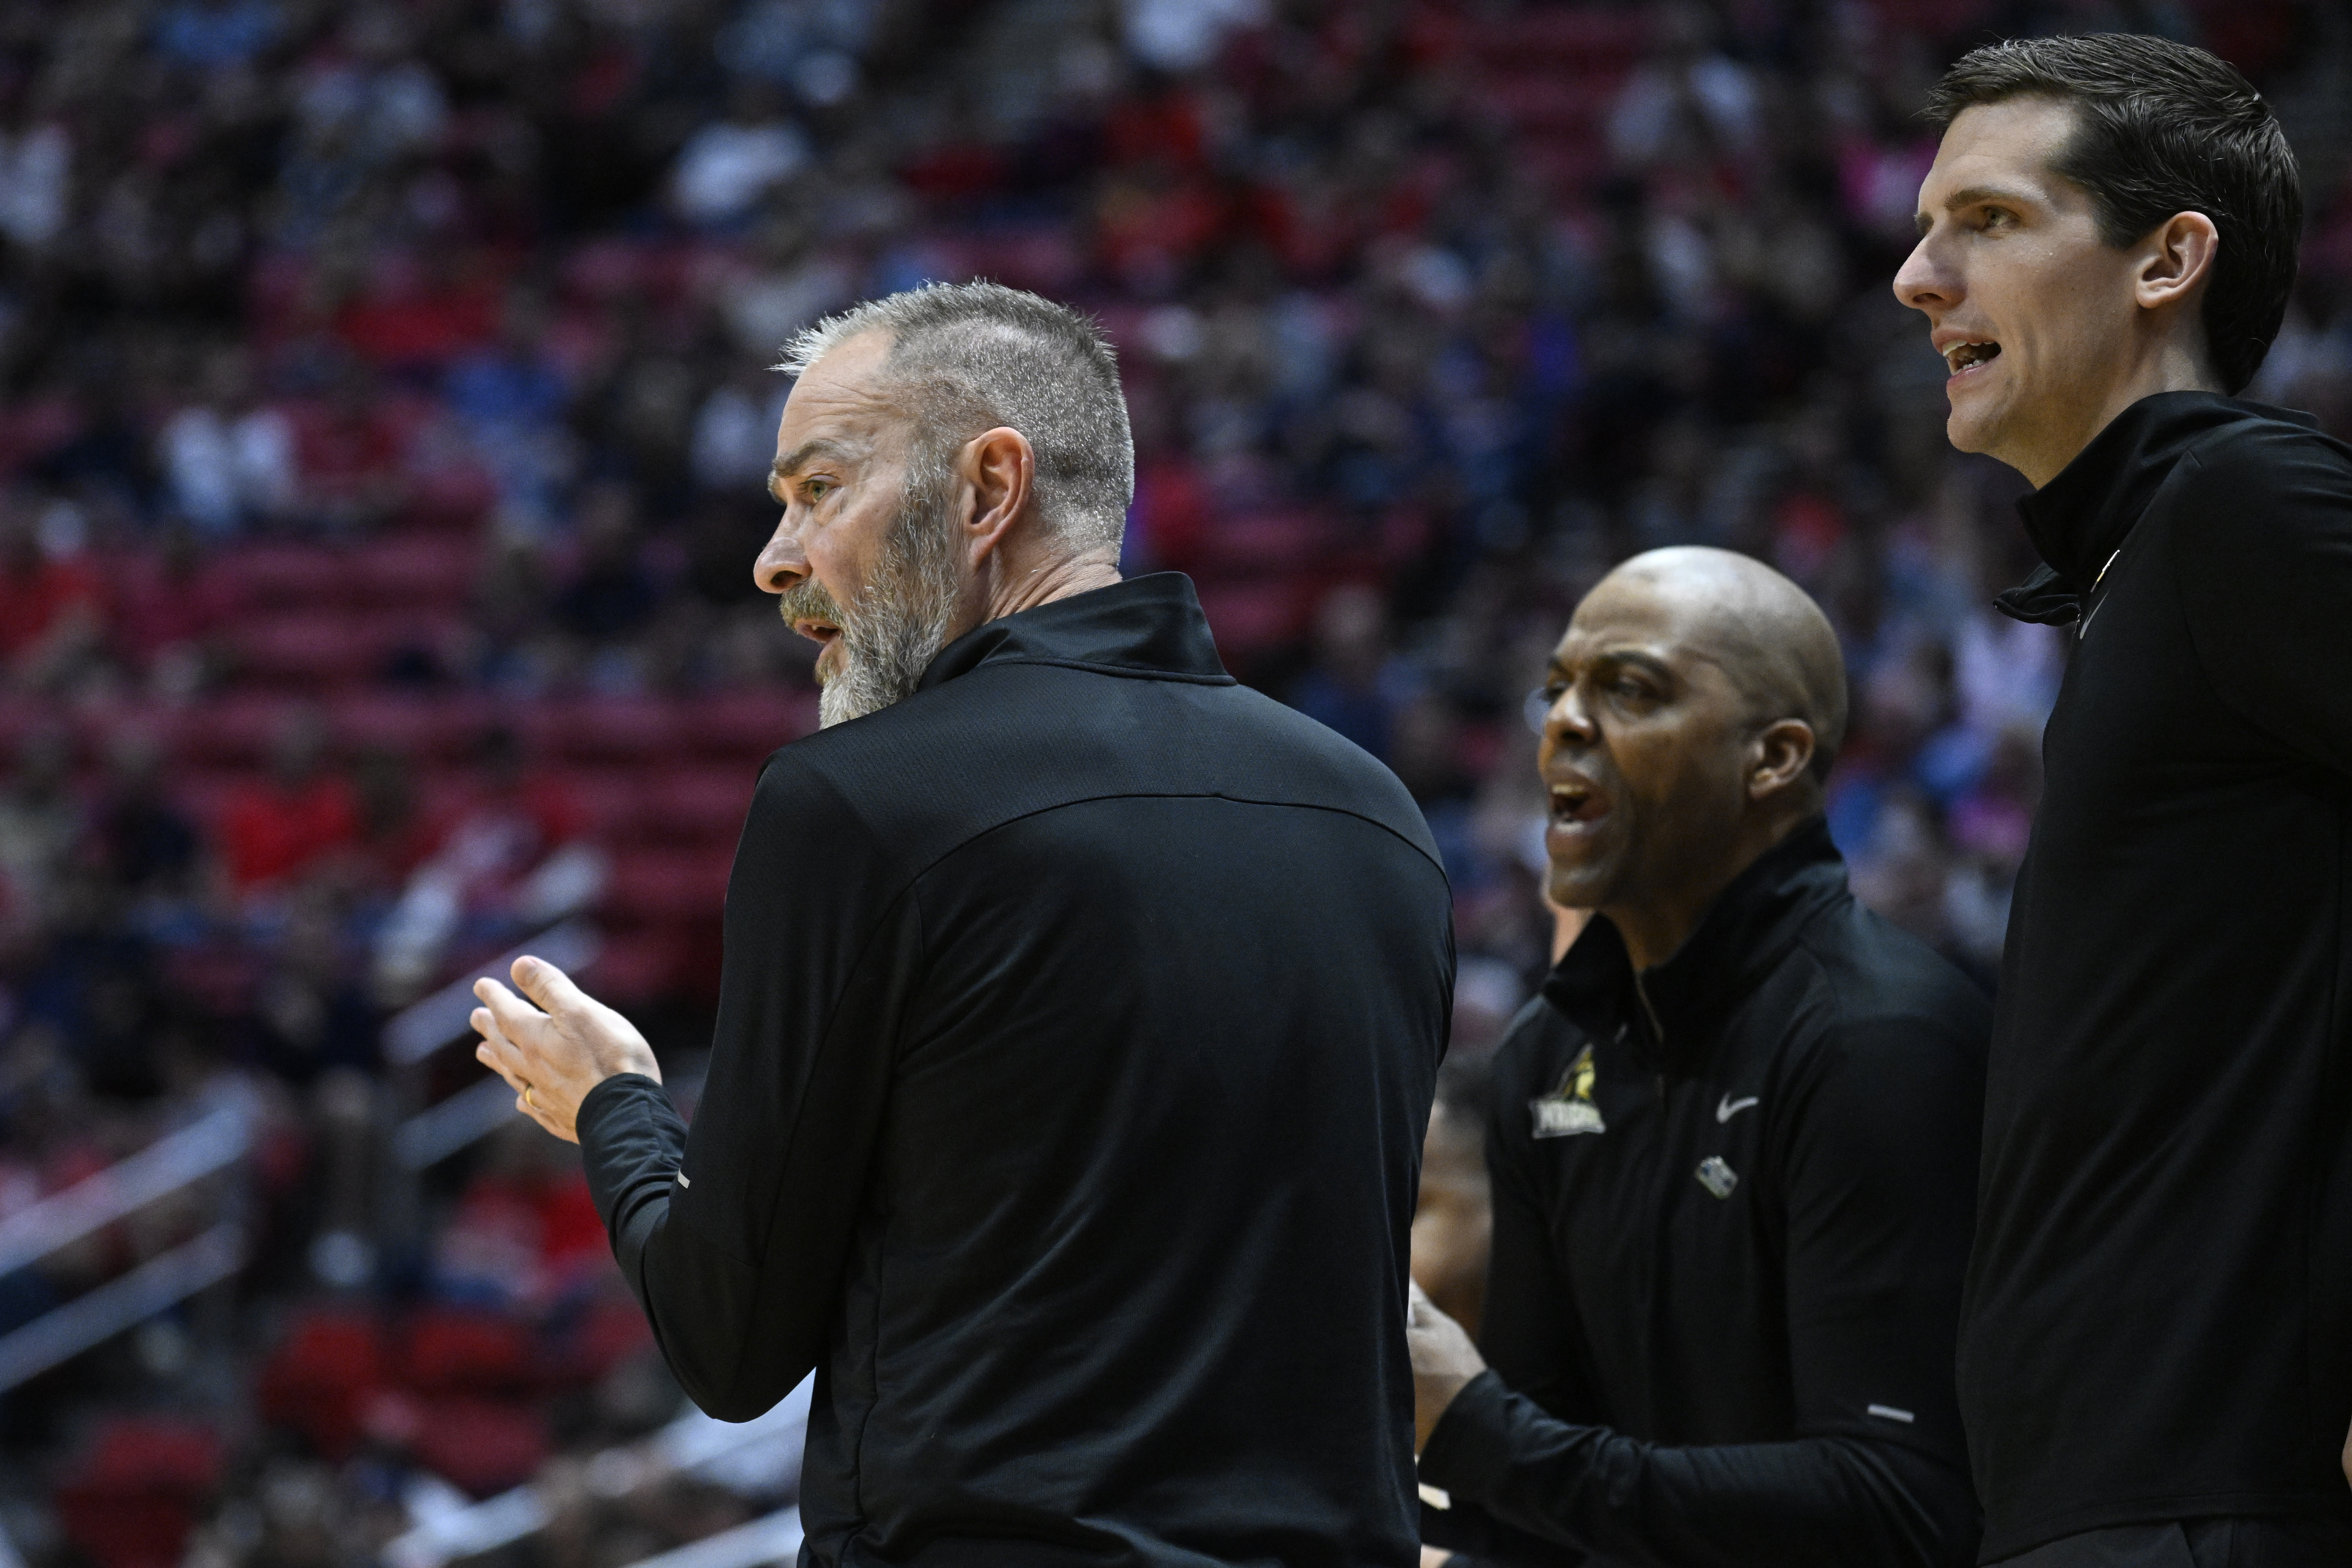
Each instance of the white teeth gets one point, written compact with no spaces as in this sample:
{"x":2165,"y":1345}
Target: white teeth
{"x":1962,"y":356}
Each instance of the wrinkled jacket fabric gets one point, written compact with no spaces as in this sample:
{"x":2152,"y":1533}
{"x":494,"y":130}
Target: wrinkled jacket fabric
{"x":1080,"y":1020}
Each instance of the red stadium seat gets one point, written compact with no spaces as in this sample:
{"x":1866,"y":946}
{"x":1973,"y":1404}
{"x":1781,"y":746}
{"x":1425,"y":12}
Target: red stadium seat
{"x":426,"y":729}
{"x":747,"y":725}
{"x":650,"y":887}
{"x":702,"y":806}
{"x":481,"y":1445}
{"x":605,"y":729}
{"x":637,"y":965}
{"x":230,"y":731}
{"x":284,"y":577}
{"x":433,"y":570}
{"x":614,"y":802}
{"x":133,"y":1499}
{"x":307,"y":651}
{"x":455,"y":1349}
{"x":1251,"y":618}
{"x":318,"y":1380}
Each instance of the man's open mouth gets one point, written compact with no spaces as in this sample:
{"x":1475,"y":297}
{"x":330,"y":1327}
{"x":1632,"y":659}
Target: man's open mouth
{"x":1966,"y":357}
{"x":1574,"y":803}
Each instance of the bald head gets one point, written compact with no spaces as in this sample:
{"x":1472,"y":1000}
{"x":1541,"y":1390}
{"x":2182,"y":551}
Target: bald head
{"x":1764,"y":633}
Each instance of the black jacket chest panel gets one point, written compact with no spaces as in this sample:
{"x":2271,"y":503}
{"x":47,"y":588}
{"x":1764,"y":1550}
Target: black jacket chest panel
{"x":2156,"y":1306}
{"x":1677,"y":1281}
{"x":1765,"y":1229}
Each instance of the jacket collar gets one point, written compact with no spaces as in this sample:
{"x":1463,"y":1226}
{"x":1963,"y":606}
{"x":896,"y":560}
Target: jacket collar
{"x":1147,"y":626}
{"x":1749,"y":929}
{"x":2079,"y":519}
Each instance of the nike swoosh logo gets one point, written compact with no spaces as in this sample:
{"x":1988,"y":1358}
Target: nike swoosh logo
{"x":1726,"y":1108}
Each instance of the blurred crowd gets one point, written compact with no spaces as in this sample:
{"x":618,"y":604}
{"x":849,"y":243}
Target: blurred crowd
{"x":383,"y":405}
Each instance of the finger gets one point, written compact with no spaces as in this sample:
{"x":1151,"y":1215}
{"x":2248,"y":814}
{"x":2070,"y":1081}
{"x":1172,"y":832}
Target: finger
{"x":545,"y":984}
{"x":522,"y":1024}
{"x":499,"y":1051}
{"x":502,"y":1064}
{"x":504,"y":1002}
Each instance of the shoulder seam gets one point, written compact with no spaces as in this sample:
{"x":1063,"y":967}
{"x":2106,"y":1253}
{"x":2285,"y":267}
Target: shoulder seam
{"x":970,"y":839}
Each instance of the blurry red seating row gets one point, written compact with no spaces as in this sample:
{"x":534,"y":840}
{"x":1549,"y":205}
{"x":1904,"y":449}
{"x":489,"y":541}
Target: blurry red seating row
{"x":1566,"y":37}
{"x":435,"y":571}
{"x":1551,"y":106}
{"x":312,"y":651}
{"x":697,"y":804}
{"x":450,"y":1384}
{"x":234,"y":731}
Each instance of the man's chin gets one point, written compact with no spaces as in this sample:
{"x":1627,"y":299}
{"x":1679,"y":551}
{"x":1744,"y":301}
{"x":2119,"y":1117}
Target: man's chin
{"x":1582,"y":886}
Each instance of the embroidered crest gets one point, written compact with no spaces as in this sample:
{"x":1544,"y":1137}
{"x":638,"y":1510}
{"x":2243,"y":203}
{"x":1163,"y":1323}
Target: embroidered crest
{"x":1568,"y":1109}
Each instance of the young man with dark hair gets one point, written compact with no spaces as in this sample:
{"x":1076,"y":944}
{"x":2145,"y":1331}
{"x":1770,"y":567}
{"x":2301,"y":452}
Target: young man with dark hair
{"x":2156,"y":1349}
{"x":1733,"y":1143}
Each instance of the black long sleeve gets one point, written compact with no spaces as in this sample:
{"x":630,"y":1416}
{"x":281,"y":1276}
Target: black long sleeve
{"x":1684,"y":1378}
{"x":1076,"y":1033}
{"x":741,"y":1274}
{"x":1822,"y":1502}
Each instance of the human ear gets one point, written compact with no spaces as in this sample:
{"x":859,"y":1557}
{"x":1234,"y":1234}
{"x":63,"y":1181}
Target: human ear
{"x":2175,"y":260}
{"x":1779,"y":756}
{"x":1001,"y":469}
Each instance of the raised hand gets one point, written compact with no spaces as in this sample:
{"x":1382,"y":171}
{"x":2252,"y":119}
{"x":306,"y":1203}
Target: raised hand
{"x":556,"y":1046}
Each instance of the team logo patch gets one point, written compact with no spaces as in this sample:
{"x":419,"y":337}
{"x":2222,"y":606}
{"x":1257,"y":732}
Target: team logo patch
{"x":1568,"y":1109}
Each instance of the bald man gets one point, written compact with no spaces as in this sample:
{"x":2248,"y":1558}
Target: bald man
{"x":1732,"y":1145}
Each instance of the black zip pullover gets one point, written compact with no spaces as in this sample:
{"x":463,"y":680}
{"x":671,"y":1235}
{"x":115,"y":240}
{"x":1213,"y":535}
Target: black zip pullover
{"x":1729,"y":1249}
{"x":1079,"y":1022}
{"x":2158,"y":1321}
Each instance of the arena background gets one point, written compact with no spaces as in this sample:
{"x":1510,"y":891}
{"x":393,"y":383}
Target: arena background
{"x":382,"y":413}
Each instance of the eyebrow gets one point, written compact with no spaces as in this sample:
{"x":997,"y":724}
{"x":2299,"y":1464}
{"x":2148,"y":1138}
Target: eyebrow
{"x":1650,"y":662}
{"x":800,"y":456}
{"x":1973,"y":197}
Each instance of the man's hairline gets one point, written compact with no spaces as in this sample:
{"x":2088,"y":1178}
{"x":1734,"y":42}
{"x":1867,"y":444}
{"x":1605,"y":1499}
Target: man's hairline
{"x":2073,"y":103}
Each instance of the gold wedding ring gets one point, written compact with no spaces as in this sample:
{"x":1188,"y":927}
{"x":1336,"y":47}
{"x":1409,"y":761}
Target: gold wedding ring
{"x":527,"y":1099}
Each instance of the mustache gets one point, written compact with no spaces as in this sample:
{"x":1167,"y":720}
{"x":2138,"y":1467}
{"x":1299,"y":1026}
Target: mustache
{"x":808,"y":600}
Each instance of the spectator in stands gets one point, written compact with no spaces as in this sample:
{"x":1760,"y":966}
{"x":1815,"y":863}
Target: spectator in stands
{"x":49,"y":596}
{"x":140,"y":842}
{"x":284,"y":825}
{"x":229,"y":459}
{"x":40,"y":819}
{"x":168,"y":610}
{"x":506,"y":860}
{"x":611,"y":596}
{"x":1733,"y":1144}
{"x":1354,"y":685}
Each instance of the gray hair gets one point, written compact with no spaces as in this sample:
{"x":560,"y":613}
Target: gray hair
{"x":969,"y":357}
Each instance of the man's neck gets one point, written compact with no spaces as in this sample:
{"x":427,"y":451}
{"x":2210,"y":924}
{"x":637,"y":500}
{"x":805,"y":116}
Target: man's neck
{"x":2173,"y":368}
{"x":1042,"y":582}
{"x":1654,"y":929}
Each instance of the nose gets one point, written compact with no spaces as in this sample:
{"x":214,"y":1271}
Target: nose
{"x":782,"y":563}
{"x":1569,"y":722}
{"x":1923,"y":285}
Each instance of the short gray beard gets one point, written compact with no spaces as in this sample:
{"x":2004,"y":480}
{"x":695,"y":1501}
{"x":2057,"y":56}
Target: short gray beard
{"x":901,"y":616}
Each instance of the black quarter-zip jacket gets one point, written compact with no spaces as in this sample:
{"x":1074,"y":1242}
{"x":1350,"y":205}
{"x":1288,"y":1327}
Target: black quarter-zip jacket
{"x":2158,"y":1318}
{"x":1728,"y":1246}
{"x":1079,"y":1019}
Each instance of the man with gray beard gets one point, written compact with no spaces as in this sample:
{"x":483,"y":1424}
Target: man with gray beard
{"x":1080,"y":1016}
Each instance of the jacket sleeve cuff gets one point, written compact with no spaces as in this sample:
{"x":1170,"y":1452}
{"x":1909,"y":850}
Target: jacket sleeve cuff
{"x":1469,"y":1452}
{"x":631,"y":1138}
